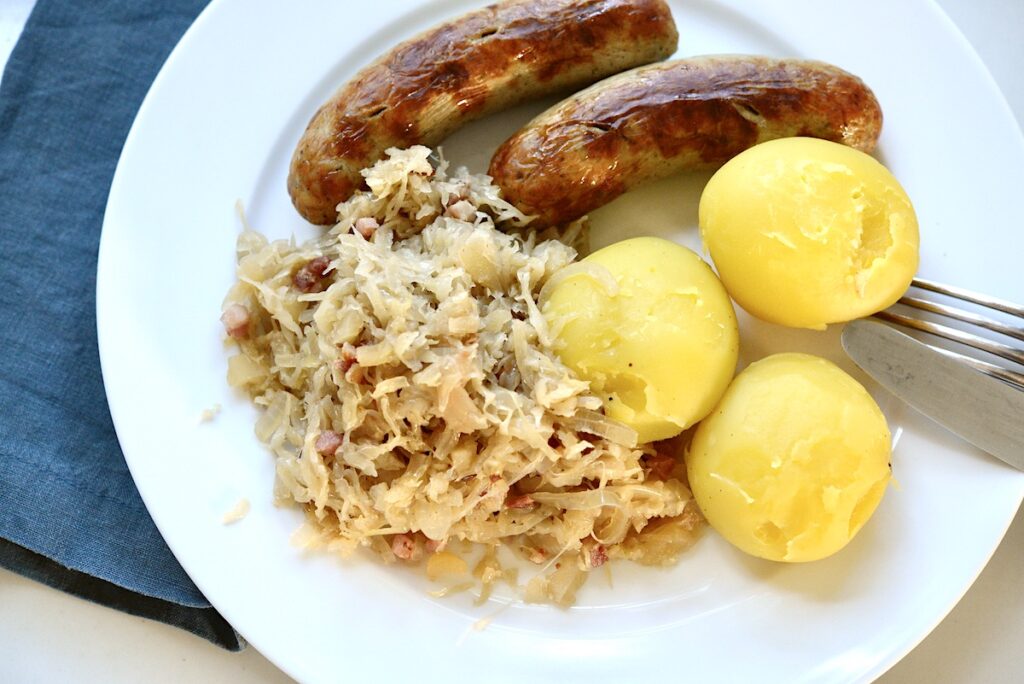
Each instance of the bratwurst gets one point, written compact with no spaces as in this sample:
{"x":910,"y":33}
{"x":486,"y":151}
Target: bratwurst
{"x":660,"y":119}
{"x":424,"y":89}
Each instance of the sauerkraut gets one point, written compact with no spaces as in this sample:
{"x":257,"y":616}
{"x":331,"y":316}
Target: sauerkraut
{"x":412,"y":398}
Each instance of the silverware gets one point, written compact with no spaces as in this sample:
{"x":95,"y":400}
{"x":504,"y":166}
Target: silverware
{"x":983,"y":344}
{"x":981,"y":401}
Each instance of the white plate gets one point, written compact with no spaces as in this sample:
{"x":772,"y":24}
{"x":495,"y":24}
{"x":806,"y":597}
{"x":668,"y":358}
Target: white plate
{"x":219,"y":124}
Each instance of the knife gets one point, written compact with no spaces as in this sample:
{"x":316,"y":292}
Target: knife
{"x":985,"y":411}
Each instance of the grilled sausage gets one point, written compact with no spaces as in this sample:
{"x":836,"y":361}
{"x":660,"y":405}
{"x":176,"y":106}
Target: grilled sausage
{"x":423,"y":90}
{"x":657,"y":120}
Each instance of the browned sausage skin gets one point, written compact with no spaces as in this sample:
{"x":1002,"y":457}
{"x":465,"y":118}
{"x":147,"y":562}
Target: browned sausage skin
{"x":660,"y":119}
{"x":425,"y":88}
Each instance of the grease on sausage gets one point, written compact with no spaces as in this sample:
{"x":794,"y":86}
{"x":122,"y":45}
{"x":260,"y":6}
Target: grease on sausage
{"x":425,"y":88}
{"x":660,"y":119}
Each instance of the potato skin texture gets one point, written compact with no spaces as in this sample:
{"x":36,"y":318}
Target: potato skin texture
{"x":681,"y":115}
{"x":805,"y":232}
{"x":424,"y":89}
{"x":661,"y":350}
{"x":793,"y":460}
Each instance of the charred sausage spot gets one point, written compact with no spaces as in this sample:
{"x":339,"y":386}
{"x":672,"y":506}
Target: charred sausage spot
{"x":450,"y":76}
{"x":603,"y":145}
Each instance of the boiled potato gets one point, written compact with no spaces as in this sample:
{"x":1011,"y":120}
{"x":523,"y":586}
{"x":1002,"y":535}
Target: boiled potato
{"x":793,"y":460}
{"x":650,"y":326}
{"x":807,"y":232}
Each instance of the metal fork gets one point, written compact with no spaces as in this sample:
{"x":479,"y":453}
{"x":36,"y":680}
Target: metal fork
{"x":1000,"y":349}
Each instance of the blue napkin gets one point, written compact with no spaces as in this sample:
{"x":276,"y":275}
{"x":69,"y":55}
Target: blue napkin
{"x":70,"y":515}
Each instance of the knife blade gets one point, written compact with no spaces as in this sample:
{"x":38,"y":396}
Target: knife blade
{"x":985,"y":411}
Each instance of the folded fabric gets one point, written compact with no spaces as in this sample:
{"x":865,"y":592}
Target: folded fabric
{"x":70,"y":515}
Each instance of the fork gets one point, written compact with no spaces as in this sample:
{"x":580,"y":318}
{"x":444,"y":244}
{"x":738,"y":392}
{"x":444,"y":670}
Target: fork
{"x":1000,"y":349}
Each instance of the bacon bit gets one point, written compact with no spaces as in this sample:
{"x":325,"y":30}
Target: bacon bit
{"x":403,"y":546}
{"x":433,"y":545}
{"x":660,"y":465}
{"x":236,"y":321}
{"x":520,"y":501}
{"x":537,"y":555}
{"x":598,"y":557}
{"x":366,"y":226}
{"x":554,"y":442}
{"x":348,"y":358}
{"x":328,"y":442}
{"x":310,"y":277}
{"x":354,"y":374}
{"x":462,"y":210}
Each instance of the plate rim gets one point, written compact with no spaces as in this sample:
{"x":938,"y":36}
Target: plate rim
{"x":103,"y":286}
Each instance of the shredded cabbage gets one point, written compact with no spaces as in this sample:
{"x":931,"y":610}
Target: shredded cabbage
{"x":411,"y":394}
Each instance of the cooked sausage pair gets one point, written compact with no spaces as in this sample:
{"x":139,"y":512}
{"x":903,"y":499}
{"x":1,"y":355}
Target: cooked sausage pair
{"x":637,"y":126}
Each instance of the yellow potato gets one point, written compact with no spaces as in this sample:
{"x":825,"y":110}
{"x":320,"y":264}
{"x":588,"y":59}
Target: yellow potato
{"x":650,"y":326}
{"x":793,"y":460}
{"x":808,"y":232}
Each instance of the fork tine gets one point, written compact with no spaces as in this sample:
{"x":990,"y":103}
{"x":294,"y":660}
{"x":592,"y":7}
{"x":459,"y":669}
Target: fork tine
{"x":969,"y":296}
{"x":1005,"y":374}
{"x":997,"y":348}
{"x":965,"y":316}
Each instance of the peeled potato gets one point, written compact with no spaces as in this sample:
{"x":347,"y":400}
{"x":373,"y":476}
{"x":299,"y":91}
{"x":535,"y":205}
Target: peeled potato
{"x":650,"y":326}
{"x":793,"y":460}
{"x":807,"y":232}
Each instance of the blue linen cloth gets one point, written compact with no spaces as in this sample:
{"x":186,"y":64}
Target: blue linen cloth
{"x":70,"y":515}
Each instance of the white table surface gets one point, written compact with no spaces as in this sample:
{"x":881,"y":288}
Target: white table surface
{"x":47,"y":636}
